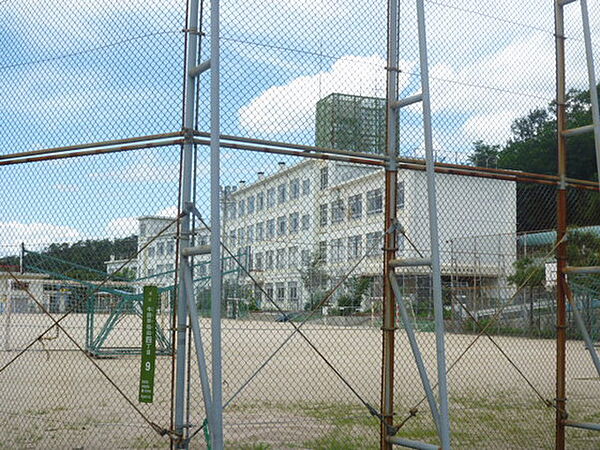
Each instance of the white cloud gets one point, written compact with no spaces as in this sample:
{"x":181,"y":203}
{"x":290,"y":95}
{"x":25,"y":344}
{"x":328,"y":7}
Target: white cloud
{"x":170,"y":212}
{"x":149,"y":167}
{"x":122,"y":227}
{"x":35,"y":236}
{"x":291,"y":107}
{"x":127,"y":226}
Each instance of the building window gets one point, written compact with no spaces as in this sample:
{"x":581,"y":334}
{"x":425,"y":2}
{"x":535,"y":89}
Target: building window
{"x":170,"y":247}
{"x":400,"y":195}
{"x":269,"y":291}
{"x":242,"y":208}
{"x":355,"y":206}
{"x":271,"y":197}
{"x":323,"y":215}
{"x":354,"y":247}
{"x":260,"y":231}
{"x":374,"y":243}
{"x":160,"y":249}
{"x":269,"y":254}
{"x":151,"y":251}
{"x":324,"y":177}
{"x":305,"y":256}
{"x":305,"y":187}
{"x":294,"y":222}
{"x":337,"y":250}
{"x":305,"y":222}
{"x":280,"y":292}
{"x":281,"y":225}
{"x":142,"y":229}
{"x":293,"y":293}
{"x":270,"y":228}
{"x":19,"y":285}
{"x":294,"y":189}
{"x":260,"y":201}
{"x":337,"y":211}
{"x":322,"y":251}
{"x":280,"y":258}
{"x":250,"y":202}
{"x":374,"y":201}
{"x":258,"y":261}
{"x":250,"y":234}
{"x":281,"y":193}
{"x":292,"y":257}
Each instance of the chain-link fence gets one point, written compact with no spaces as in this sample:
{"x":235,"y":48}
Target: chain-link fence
{"x":91,"y":171}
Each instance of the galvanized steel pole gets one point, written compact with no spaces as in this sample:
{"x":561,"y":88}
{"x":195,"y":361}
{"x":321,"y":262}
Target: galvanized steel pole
{"x":561,"y":310}
{"x":189,"y":110}
{"x":589,"y":55}
{"x":433,"y":233}
{"x":390,"y":242}
{"x":215,"y":221}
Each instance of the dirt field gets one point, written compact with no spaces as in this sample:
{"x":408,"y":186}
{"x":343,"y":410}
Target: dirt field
{"x":53,"y":396}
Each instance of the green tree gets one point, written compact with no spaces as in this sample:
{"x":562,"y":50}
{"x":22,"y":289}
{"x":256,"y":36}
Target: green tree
{"x":529,"y":276}
{"x":484,"y":155}
{"x":356,"y":289}
{"x":315,"y":280}
{"x":532,"y":147}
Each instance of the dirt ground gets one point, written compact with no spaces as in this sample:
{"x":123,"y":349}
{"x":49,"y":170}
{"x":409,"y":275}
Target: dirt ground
{"x":53,"y":396}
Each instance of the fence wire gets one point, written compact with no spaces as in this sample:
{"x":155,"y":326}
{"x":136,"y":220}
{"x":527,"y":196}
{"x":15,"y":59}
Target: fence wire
{"x":88,"y":223}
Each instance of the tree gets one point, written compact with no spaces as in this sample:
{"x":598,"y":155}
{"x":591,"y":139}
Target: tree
{"x":82,"y":260}
{"x":355,"y":290}
{"x":484,"y":155}
{"x":529,"y":275}
{"x":315,"y":280}
{"x":532,"y":147}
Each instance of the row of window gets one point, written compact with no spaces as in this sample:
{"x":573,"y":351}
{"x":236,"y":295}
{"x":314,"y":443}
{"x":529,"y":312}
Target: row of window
{"x":168,"y":247}
{"x":270,"y":229}
{"x":161,"y":269}
{"x":277,"y":292}
{"x":336,"y":211}
{"x":336,"y":250}
{"x":274,"y":196}
{"x":162,"y":248}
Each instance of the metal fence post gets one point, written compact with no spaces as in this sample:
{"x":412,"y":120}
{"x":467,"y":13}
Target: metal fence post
{"x":561,"y":310}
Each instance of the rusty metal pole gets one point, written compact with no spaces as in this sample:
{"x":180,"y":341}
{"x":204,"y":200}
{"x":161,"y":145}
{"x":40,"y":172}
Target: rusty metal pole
{"x":390,"y":241}
{"x":561,"y":259}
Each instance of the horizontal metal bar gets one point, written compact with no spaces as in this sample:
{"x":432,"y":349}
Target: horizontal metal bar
{"x":193,"y":251}
{"x":582,"y":270}
{"x":579,"y":130}
{"x":88,"y":145}
{"x":303,"y":154}
{"x":200,"y":68}
{"x":95,"y":151}
{"x":583,"y":425}
{"x":411,"y":444}
{"x":513,"y":175}
{"x":401,"y":103}
{"x":410,"y":262}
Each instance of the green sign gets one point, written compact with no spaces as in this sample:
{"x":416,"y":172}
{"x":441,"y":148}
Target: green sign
{"x":148,"y":344}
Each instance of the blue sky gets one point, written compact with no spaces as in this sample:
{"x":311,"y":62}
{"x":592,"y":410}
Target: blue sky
{"x":92,"y":71}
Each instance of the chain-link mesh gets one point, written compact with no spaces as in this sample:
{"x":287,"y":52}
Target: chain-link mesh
{"x":302,"y":200}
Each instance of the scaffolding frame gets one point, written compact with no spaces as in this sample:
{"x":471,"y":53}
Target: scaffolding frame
{"x":391,"y":293}
{"x":563,"y":292}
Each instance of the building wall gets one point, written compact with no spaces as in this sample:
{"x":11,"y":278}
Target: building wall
{"x":464,"y":210}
